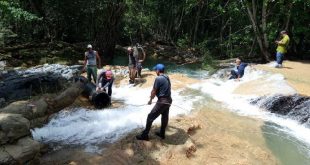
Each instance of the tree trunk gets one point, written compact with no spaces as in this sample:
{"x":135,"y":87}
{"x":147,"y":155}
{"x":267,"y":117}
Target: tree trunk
{"x":107,"y":37}
{"x":258,"y":34}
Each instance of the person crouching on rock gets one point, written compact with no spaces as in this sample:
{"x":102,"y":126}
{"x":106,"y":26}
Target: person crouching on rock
{"x":238,"y":72}
{"x":161,"y":89}
{"x":105,"y":80}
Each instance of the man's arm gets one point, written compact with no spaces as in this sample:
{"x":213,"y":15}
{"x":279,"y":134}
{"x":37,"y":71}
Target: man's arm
{"x":99,"y":60}
{"x":153,"y":94}
{"x":144,"y":55}
{"x":283,"y":42}
{"x":98,"y":78}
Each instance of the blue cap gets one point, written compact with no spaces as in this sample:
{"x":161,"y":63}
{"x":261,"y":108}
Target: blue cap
{"x":159,"y":67}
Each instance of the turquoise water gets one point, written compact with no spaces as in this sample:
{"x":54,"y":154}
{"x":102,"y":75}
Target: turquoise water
{"x":288,"y":149}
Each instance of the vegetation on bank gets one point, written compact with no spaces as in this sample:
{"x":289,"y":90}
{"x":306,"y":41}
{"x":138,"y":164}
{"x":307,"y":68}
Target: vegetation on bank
{"x":214,"y":29}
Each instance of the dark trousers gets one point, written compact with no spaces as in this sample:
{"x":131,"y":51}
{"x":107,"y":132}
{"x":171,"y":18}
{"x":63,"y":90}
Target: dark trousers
{"x":161,"y":108}
{"x":234,"y":74}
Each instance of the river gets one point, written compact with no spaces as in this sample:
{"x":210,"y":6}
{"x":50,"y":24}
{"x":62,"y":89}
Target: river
{"x":288,"y":141}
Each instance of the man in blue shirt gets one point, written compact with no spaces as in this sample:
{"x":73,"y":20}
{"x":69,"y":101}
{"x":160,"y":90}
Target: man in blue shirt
{"x":161,"y":89}
{"x":238,"y":72}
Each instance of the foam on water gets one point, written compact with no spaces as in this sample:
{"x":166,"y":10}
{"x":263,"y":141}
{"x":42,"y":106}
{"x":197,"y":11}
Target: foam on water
{"x":222,"y":90}
{"x":90,"y":127}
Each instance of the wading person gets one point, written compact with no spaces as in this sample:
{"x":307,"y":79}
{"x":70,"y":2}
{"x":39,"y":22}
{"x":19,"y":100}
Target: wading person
{"x":131,"y":65}
{"x":161,"y":89}
{"x":105,"y":80}
{"x":139,"y":54}
{"x":90,"y":63}
{"x":238,"y":72}
{"x":282,"y":48}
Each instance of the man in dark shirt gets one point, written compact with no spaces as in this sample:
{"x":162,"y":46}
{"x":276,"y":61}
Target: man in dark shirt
{"x":105,"y":80}
{"x":161,"y":89}
{"x":238,"y":72}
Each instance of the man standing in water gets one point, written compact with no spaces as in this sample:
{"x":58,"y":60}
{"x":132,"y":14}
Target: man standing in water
{"x":161,"y":89}
{"x":282,"y":48}
{"x":90,"y":63}
{"x":131,"y":65}
{"x":238,"y":72}
{"x":139,"y":54}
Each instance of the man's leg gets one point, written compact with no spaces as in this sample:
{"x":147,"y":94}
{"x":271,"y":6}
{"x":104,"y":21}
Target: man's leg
{"x":279,"y":58}
{"x":89,"y":72}
{"x":149,"y":121}
{"x":151,"y":117}
{"x":95,"y":73}
{"x":234,"y":75}
{"x":133,"y":74}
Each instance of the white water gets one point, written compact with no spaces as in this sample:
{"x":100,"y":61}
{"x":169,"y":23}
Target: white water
{"x":90,"y":127}
{"x":222,"y":90}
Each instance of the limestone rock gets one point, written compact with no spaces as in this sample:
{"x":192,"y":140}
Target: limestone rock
{"x":5,"y":158}
{"x":24,"y":150}
{"x":12,"y":127}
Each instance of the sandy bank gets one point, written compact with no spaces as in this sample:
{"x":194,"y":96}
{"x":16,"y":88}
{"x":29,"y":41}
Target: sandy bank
{"x":297,"y":74}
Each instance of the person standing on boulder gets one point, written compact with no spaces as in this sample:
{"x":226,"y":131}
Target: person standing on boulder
{"x":105,"y":80}
{"x":282,"y":48}
{"x":90,"y":63}
{"x":161,"y":89}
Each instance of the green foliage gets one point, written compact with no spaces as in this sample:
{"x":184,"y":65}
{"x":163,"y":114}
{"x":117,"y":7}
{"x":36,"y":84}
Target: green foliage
{"x":219,"y":29}
{"x":11,"y":11}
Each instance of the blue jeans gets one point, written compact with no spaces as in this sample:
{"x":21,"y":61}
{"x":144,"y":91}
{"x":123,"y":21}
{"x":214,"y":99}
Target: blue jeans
{"x":279,"y":58}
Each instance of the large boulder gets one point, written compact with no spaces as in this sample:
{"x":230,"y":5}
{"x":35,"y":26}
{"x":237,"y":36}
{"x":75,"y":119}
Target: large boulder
{"x":26,"y":109}
{"x":25,"y":150}
{"x":13,"y":127}
{"x":24,"y":84}
{"x":6,"y":158}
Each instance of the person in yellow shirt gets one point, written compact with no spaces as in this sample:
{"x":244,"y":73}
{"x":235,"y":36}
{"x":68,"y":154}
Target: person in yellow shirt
{"x":282,"y":48}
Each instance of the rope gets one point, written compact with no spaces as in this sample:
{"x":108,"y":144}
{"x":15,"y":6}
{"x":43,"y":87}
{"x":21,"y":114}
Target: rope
{"x":211,"y":123}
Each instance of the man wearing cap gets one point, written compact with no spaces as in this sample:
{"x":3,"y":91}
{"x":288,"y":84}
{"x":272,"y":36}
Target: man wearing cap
{"x":282,"y":48}
{"x":90,"y":63}
{"x":105,"y":80}
{"x":161,"y":89}
{"x":131,"y":65}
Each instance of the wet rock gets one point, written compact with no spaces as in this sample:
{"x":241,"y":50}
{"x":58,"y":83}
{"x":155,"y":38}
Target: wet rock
{"x":23,"y":84}
{"x":6,"y":158}
{"x":13,"y":127}
{"x":24,"y":150}
{"x":295,"y":107}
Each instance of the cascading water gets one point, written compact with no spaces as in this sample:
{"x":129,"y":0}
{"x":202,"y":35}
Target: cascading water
{"x":86,"y":127}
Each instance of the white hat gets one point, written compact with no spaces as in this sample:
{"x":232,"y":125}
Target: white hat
{"x":129,"y":48}
{"x":89,"y":46}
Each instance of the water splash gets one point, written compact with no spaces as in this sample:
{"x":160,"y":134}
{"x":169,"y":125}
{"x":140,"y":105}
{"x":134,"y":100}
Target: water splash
{"x":92,"y":127}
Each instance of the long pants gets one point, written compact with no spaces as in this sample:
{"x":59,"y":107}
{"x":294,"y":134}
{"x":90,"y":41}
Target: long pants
{"x":234,"y":74}
{"x":161,"y":108}
{"x":279,"y":57}
{"x":139,"y":69}
{"x":91,"y":71}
